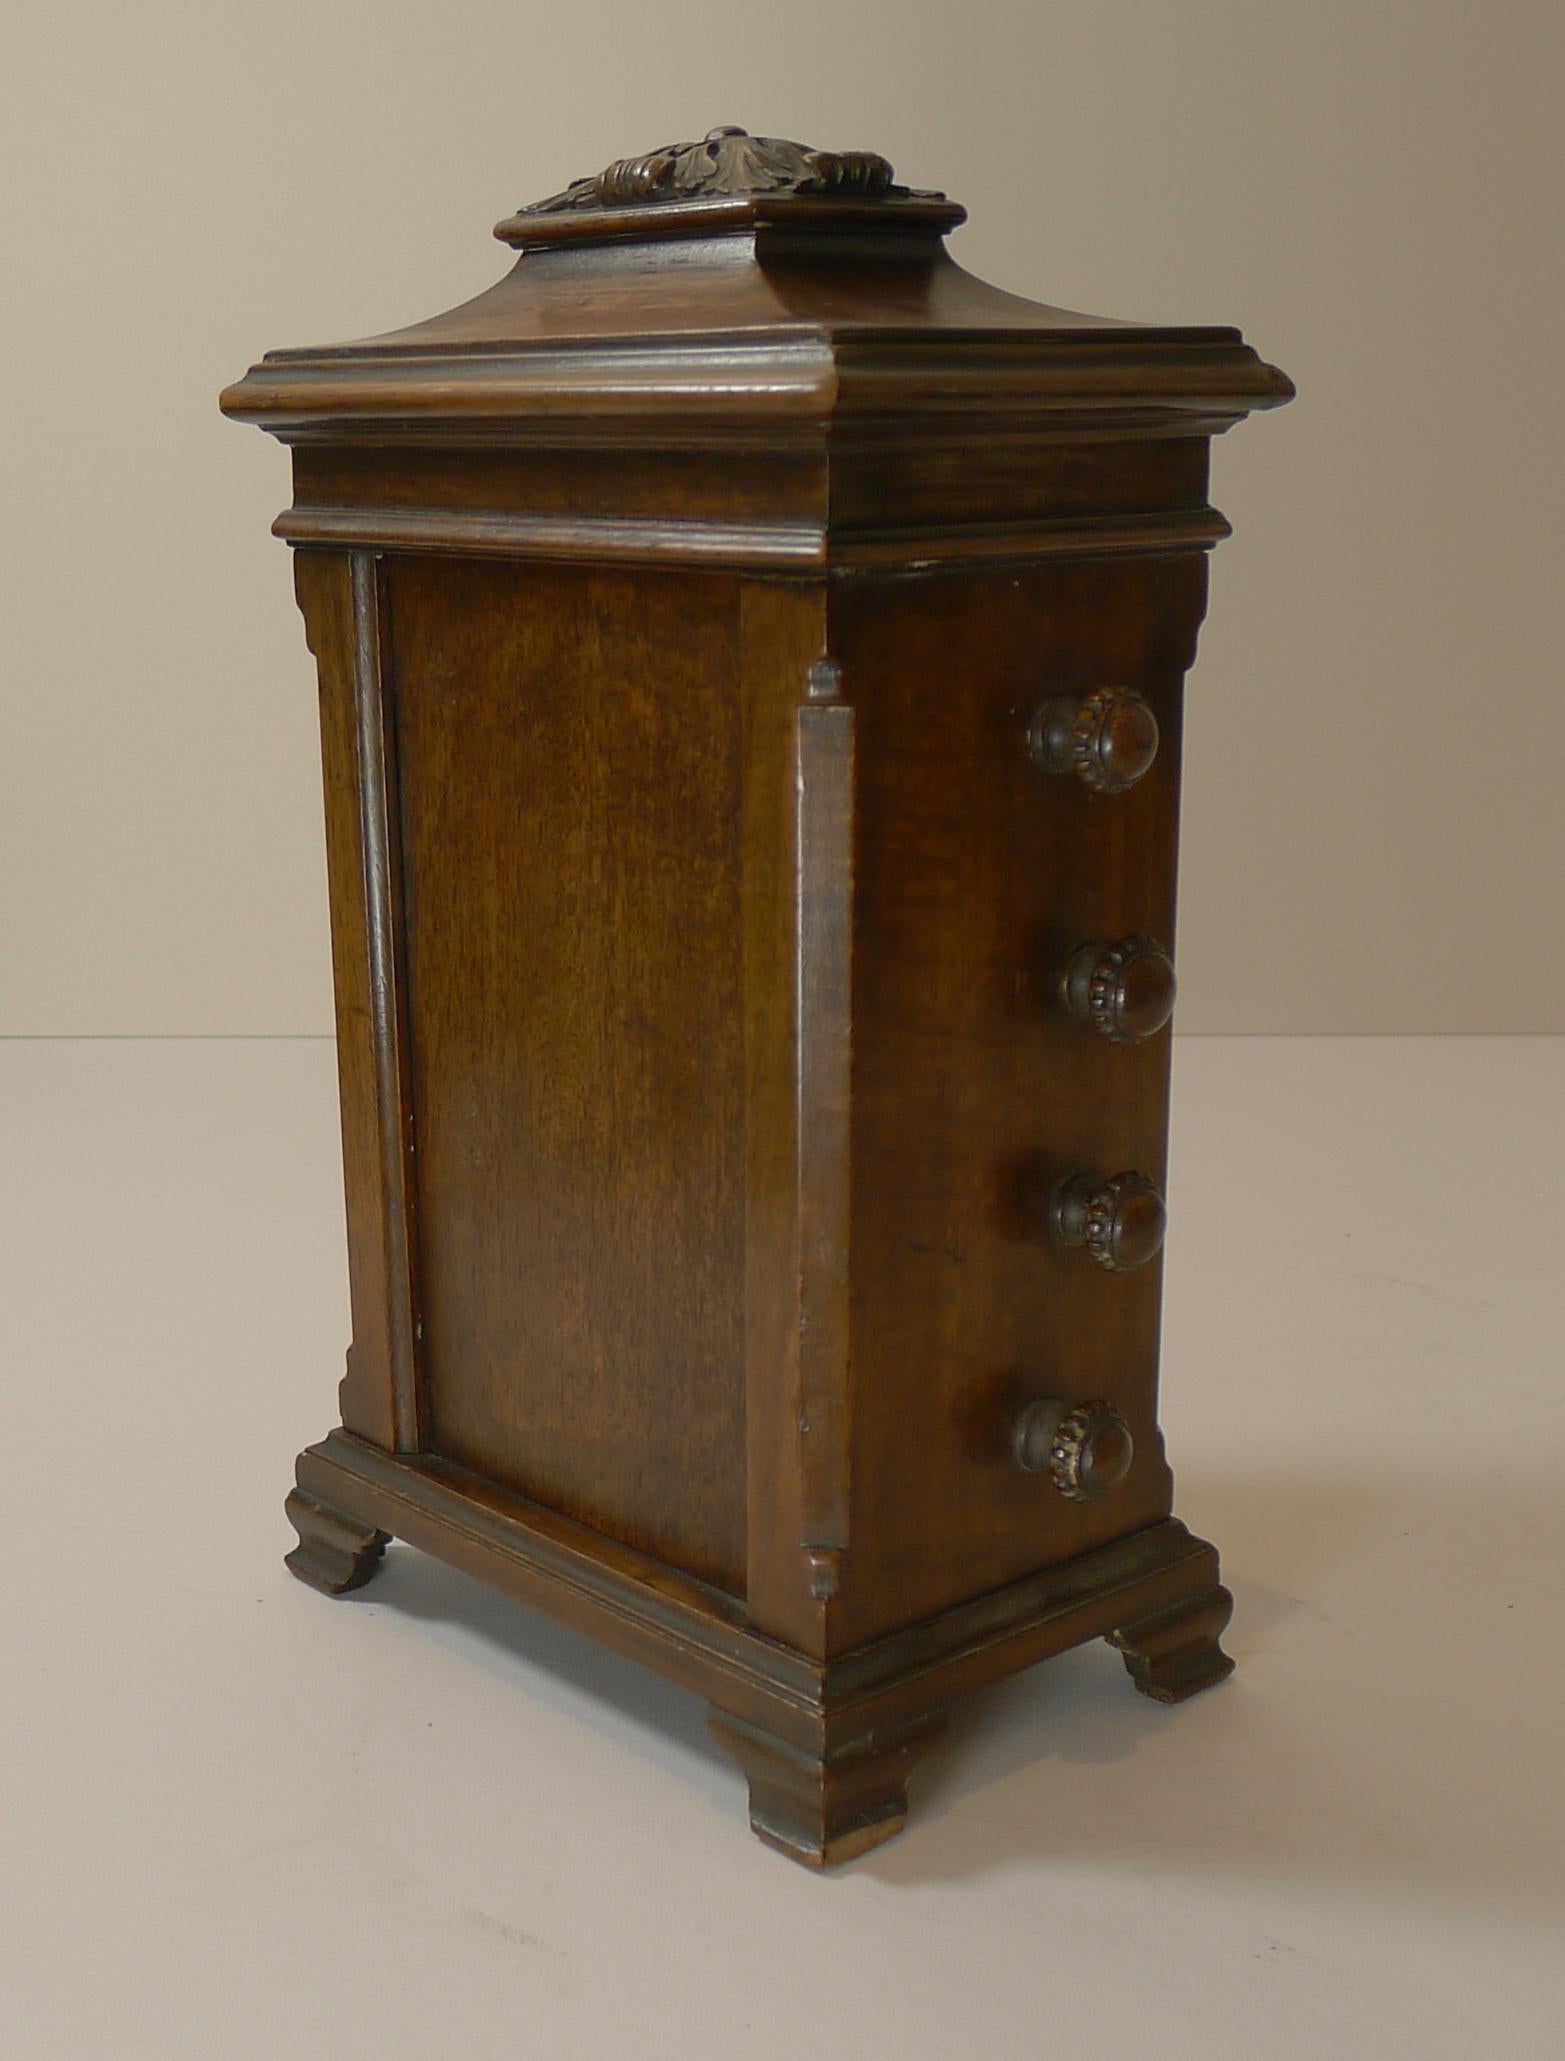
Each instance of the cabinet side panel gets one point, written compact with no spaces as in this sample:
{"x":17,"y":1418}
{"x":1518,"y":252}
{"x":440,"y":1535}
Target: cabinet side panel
{"x":569,"y":751}
{"x":973,"y":1090}
{"x":323,"y":583}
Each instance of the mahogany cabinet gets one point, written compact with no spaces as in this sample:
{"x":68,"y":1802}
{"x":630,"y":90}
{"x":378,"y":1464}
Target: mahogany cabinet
{"x":751,"y":653}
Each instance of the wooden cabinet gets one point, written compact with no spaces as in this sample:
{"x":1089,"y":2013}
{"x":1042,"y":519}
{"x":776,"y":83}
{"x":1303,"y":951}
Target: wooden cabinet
{"x":751,"y":655}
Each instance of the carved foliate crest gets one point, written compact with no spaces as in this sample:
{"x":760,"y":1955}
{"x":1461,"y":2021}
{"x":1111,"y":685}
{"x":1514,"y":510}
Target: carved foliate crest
{"x":727,"y":163}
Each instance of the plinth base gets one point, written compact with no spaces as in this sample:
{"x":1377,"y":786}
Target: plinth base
{"x":826,"y":1746}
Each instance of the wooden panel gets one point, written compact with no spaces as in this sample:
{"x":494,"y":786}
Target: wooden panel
{"x":569,"y":747}
{"x":996,"y":473}
{"x":984,"y":490}
{"x":586,"y":484}
{"x":339,"y":596}
{"x":976,"y":875}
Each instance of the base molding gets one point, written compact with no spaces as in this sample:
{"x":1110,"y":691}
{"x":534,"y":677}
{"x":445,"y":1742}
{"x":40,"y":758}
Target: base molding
{"x":1176,"y":1653}
{"x":826,"y":1744}
{"x":830,"y":1804}
{"x":335,"y":1552}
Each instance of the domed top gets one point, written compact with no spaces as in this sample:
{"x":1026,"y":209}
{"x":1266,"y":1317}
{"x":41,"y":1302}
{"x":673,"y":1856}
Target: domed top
{"x":702,"y":288}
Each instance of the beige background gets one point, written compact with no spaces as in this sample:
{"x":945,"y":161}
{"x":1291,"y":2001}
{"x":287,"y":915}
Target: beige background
{"x":1373,"y":836}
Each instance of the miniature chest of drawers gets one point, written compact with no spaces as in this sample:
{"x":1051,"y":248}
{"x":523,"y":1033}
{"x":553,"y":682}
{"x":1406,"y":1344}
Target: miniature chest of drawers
{"x":751,"y":653}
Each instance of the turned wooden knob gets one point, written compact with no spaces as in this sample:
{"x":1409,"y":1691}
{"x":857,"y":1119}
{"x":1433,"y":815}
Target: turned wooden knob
{"x":1085,"y":1448}
{"x":1119,"y":1218}
{"x":1124,"y":990}
{"x":1107,"y":739}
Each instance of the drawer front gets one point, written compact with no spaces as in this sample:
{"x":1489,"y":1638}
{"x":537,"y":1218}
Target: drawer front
{"x":997,"y":1059}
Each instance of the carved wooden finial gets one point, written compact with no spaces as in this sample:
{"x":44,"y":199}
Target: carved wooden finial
{"x":730,"y":180}
{"x":726,"y":163}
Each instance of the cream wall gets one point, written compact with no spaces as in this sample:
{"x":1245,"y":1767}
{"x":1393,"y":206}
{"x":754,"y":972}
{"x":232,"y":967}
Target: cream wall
{"x":1370,"y":187}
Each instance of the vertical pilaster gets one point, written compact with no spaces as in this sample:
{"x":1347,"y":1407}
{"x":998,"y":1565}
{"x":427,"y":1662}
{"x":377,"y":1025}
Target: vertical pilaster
{"x":341,"y":595}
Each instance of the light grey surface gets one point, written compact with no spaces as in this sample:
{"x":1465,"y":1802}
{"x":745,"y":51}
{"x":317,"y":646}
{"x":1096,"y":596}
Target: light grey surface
{"x":243,"y":1821}
{"x":1373,"y":832}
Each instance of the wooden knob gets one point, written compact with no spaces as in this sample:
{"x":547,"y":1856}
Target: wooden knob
{"x":1085,"y":1448}
{"x":1119,"y":1220}
{"x":1124,"y":990}
{"x":1107,"y":739}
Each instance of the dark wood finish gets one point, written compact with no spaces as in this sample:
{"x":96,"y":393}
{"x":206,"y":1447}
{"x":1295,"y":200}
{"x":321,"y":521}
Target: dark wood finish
{"x":835,"y":1798}
{"x":1124,"y":991}
{"x":1106,"y":739}
{"x":727,"y":164}
{"x":751,"y":656}
{"x":570,"y":747}
{"x":1118,"y":1221}
{"x":975,"y":1094}
{"x":1085,"y":1448}
{"x":1175,"y":1652}
{"x":824,"y":784}
{"x":335,"y":1552}
{"x":705,"y":1640}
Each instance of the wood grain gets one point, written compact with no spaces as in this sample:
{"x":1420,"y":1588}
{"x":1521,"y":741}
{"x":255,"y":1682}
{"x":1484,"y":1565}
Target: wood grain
{"x":974,"y":1089}
{"x":725,"y":970}
{"x":569,"y":763}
